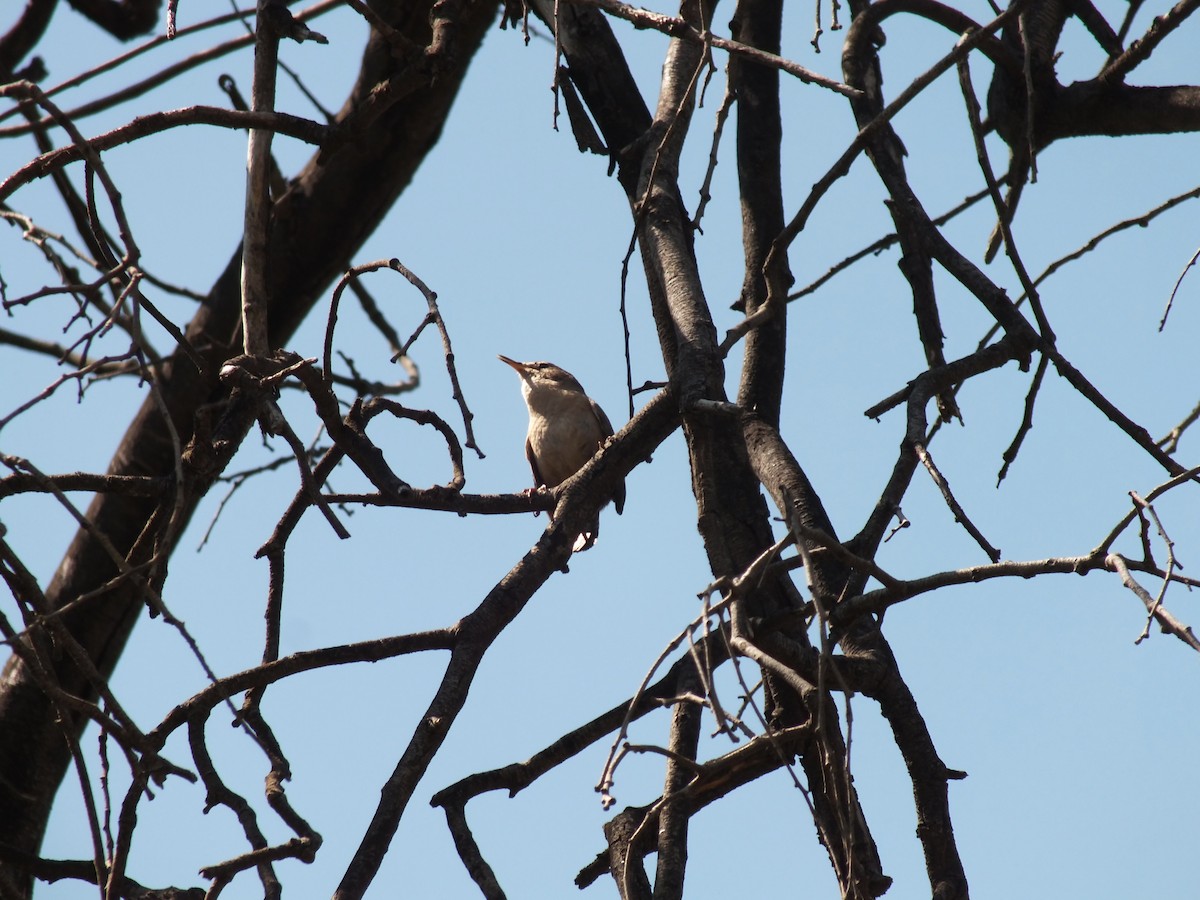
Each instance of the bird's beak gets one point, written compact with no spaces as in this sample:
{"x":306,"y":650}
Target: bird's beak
{"x":519,"y":366}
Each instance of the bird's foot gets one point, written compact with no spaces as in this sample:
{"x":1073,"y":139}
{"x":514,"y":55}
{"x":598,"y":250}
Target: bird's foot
{"x":533,"y":492}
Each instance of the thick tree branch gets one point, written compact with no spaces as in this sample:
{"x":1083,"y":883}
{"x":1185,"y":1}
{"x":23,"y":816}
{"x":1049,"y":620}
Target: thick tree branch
{"x":475,"y":633}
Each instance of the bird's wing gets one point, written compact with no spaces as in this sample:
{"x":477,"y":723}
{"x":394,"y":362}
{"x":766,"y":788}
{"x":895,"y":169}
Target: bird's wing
{"x":538,"y":480}
{"x":605,"y":425}
{"x":607,"y":430}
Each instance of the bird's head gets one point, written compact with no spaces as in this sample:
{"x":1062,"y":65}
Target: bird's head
{"x":543,"y":377}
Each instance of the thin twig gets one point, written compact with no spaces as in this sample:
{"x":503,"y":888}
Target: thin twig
{"x":681,"y":29}
{"x":1178,"y":281}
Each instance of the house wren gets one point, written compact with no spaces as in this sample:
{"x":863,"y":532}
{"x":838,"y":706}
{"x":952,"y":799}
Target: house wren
{"x":566,"y":426}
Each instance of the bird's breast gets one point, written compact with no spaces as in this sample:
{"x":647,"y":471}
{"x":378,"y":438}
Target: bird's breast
{"x":563,"y":442}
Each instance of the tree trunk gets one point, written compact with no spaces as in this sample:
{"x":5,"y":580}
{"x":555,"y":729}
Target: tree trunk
{"x":318,"y":224}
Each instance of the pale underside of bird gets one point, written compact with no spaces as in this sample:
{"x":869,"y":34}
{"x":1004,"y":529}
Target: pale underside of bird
{"x":566,"y":428}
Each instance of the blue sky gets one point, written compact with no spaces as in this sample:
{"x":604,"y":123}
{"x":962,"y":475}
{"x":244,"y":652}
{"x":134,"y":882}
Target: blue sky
{"x":1080,"y":746}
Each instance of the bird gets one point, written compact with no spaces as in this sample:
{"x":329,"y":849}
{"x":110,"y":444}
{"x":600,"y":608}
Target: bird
{"x":566,"y":428}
